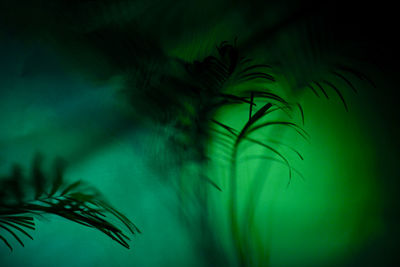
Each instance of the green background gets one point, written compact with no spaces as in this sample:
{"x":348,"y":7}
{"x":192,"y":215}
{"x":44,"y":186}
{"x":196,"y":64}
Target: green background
{"x":343,"y":213}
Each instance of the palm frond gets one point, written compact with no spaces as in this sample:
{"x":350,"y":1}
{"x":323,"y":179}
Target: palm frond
{"x":72,"y":201}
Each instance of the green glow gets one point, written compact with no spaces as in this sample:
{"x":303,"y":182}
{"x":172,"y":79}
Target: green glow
{"x":328,"y":215}
{"x":331,"y":209}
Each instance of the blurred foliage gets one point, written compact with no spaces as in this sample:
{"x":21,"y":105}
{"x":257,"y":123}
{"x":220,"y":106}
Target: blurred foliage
{"x":178,"y":71}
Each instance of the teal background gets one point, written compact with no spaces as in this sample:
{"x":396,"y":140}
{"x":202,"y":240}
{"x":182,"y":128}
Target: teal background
{"x":323,"y":219}
{"x":343,"y":213}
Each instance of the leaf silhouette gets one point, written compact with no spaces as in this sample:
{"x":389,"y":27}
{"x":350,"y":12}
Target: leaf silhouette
{"x":71,"y":201}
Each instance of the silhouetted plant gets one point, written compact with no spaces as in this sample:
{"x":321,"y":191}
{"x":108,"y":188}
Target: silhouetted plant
{"x":182,"y":95}
{"x":217,"y":79}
